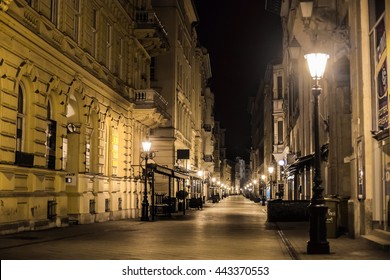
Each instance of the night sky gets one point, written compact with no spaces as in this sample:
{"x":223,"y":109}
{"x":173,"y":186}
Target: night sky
{"x":241,"y":38}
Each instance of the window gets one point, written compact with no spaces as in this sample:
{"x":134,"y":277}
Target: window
{"x":121,"y":59}
{"x":51,"y":209}
{"x":107,"y":205}
{"x":293,"y":100}
{"x":119,"y":203}
{"x":54,"y":11}
{"x":111,"y":150}
{"x":378,"y":46}
{"x":72,"y":19}
{"x":90,"y":34}
{"x":76,"y":19}
{"x":280,"y":132}
{"x":20,"y":120}
{"x":153,"y":69}
{"x":47,"y":8}
{"x":280,"y":87}
{"x":87,"y":157}
{"x":92,"y":204}
{"x":109,"y":45}
{"x":94,"y":31}
{"x":51,"y":133}
{"x":91,"y":148}
{"x":115,"y":151}
{"x":21,"y":157}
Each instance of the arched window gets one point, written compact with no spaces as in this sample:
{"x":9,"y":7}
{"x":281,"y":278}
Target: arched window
{"x":51,"y":132}
{"x":20,"y":121}
{"x":111,"y":149}
{"x":92,"y":146}
{"x":107,"y":149}
{"x":21,"y":157}
{"x":115,"y":151}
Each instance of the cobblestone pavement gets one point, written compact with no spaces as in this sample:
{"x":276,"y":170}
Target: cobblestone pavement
{"x":234,"y":228}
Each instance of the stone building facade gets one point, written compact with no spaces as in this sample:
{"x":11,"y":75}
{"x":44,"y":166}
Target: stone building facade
{"x":81,"y":87}
{"x":353,"y":106}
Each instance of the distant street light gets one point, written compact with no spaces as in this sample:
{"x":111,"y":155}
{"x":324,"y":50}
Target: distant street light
{"x":318,"y":243}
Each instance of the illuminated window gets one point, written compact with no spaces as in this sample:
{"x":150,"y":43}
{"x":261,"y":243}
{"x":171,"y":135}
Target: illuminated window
{"x":379,"y":65}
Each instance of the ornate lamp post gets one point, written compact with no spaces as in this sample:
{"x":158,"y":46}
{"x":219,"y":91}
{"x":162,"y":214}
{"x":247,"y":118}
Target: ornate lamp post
{"x":146,"y":154}
{"x":270,"y":171}
{"x":317,"y":209}
{"x":281,"y":163}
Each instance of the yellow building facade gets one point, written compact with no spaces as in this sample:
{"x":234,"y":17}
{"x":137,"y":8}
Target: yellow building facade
{"x":75,"y":104}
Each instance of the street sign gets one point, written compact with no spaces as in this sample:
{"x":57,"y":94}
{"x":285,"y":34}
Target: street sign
{"x":70,"y":179}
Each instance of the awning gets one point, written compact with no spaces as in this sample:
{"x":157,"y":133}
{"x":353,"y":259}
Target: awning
{"x":300,"y":164}
{"x":168,"y":172}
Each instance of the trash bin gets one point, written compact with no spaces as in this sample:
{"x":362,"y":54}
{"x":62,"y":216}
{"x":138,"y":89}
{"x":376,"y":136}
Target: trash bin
{"x":332,"y":230}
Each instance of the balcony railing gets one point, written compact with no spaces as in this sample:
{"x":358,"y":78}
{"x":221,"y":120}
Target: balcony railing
{"x":148,"y":19}
{"x":148,"y":98}
{"x":151,"y":32}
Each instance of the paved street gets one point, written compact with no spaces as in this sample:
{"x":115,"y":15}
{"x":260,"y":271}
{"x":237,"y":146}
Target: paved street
{"x":234,"y":228}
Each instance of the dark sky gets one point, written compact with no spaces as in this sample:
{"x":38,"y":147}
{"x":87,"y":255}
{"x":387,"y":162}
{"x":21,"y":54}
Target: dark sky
{"x":241,"y":38}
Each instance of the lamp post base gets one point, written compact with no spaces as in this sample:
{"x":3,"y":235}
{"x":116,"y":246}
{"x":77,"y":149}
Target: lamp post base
{"x":318,"y":243}
{"x":318,"y":248}
{"x":145,"y":211}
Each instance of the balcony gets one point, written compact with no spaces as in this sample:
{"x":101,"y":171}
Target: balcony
{"x":151,"y":33}
{"x":278,"y":148}
{"x":150,"y":108}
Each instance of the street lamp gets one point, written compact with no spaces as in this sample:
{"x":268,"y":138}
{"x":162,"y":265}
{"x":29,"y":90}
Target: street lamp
{"x":281,"y":163}
{"x":307,"y":11}
{"x":317,"y":209}
{"x":270,"y":171}
{"x":146,"y":154}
